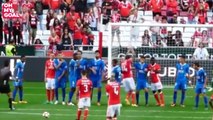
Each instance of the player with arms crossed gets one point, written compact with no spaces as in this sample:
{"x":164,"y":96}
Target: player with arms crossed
{"x":116,"y":70}
{"x":97,"y":69}
{"x":50,"y":79}
{"x":18,"y":83}
{"x":60,"y":77}
{"x":114,"y":104}
{"x":84,"y":89}
{"x":128,"y":81}
{"x":81,"y":64}
{"x":156,"y":84}
{"x":142,"y":81}
{"x":182,"y":76}
{"x":72,"y":77}
{"x":5,"y":75}
{"x":201,"y":83}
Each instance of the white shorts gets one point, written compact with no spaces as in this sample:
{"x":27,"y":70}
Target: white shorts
{"x":113,"y":110}
{"x":129,"y":84}
{"x":156,"y":86}
{"x":50,"y":84}
{"x":84,"y":102}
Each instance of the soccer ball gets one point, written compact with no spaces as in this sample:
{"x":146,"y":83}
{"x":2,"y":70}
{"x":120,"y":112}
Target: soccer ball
{"x":46,"y":114}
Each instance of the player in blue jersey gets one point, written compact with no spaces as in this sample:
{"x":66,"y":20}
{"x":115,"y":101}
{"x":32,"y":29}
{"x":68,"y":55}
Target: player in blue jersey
{"x":141,"y":75}
{"x":60,"y":77}
{"x":81,"y":64}
{"x":182,"y":75}
{"x":72,"y":77}
{"x":18,"y":83}
{"x":116,"y":70}
{"x":201,"y":83}
{"x":97,"y":69}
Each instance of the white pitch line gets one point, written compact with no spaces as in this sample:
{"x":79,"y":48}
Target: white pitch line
{"x":129,"y":116}
{"x":141,"y":110}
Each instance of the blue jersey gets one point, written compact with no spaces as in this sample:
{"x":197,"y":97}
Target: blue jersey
{"x":200,"y":77}
{"x":81,"y":65}
{"x":19,"y":70}
{"x":73,"y":70}
{"x":62,"y":68}
{"x":98,"y":65}
{"x":141,"y":71}
{"x":117,"y":72}
{"x":182,"y":72}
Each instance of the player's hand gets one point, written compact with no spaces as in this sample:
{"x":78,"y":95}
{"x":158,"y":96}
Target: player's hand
{"x":93,"y":70}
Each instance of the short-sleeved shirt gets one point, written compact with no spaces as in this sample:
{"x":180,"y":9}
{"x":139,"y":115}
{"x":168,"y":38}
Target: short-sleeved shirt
{"x":85,"y":87}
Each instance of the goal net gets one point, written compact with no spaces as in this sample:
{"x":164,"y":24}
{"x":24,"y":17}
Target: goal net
{"x":165,"y":42}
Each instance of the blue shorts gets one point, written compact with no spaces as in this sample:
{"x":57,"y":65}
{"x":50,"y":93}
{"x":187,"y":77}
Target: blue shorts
{"x":96,"y":83}
{"x":60,"y":84}
{"x":199,"y":89}
{"x":180,"y":86}
{"x":73,"y":83}
{"x":18,"y":83}
{"x":141,"y":85}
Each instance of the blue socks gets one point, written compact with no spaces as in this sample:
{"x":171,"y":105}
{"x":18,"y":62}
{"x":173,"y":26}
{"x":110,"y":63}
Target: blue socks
{"x":146,"y":98}
{"x":205,"y":101}
{"x":99,"y":96}
{"x":63,"y":94}
{"x":196,"y":100}
{"x":175,"y":97}
{"x":182,"y":97}
{"x":70,"y":96}
{"x":20,"y":95}
{"x":137,"y":98}
{"x":14,"y":94}
{"x":56,"y":94}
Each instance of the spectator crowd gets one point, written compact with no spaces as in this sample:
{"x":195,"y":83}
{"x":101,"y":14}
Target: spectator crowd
{"x":72,"y":22}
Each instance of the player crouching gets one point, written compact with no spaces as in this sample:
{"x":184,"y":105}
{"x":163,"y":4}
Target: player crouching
{"x":83,"y":90}
{"x":5,"y":74}
{"x":114,"y":104}
{"x":156,"y":84}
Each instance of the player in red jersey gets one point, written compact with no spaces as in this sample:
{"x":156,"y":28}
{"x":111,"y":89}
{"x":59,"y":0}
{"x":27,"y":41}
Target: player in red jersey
{"x":128,"y":81}
{"x":211,"y":102}
{"x":84,"y":89}
{"x":156,"y":84}
{"x":50,"y":79}
{"x":114,"y":104}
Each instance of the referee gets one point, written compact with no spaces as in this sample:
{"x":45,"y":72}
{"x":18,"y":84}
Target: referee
{"x":5,"y":75}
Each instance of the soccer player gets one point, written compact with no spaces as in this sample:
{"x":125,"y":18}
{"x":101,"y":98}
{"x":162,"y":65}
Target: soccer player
{"x":114,"y":104}
{"x":201,"y":83}
{"x":116,"y":70}
{"x":97,"y":69}
{"x":50,"y":79}
{"x":156,"y":84}
{"x":84,"y":89}
{"x":81,"y":64}
{"x":182,"y":76}
{"x":72,"y":77}
{"x":211,"y":102}
{"x":18,"y":83}
{"x":128,"y":81}
{"x":141,"y":75}
{"x":5,"y":74}
{"x":60,"y":77}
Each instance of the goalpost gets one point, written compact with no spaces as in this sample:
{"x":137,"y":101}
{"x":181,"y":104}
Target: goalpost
{"x":165,"y":55}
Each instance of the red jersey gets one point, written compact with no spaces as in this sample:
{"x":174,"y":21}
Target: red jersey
{"x":113,"y":90}
{"x":153,"y":75}
{"x":50,"y":71}
{"x":156,"y":5}
{"x":28,"y":6}
{"x":125,"y":9}
{"x":126,"y":67}
{"x":71,"y":19}
{"x":15,"y":4}
{"x":77,"y":33}
{"x":85,"y":87}
{"x":33,"y":21}
{"x":58,"y":29}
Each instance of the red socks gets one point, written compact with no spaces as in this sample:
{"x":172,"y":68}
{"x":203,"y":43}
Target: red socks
{"x":156,"y":98}
{"x":78,"y":114}
{"x":128,"y":95}
{"x":48,"y":94}
{"x":162,"y":98}
{"x":133,"y":97}
{"x":86,"y":112}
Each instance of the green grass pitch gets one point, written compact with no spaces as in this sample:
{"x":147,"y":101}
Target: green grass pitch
{"x":34,"y":93}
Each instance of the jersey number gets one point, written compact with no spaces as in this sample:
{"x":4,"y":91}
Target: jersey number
{"x":116,"y":90}
{"x":85,"y":88}
{"x":123,"y":67}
